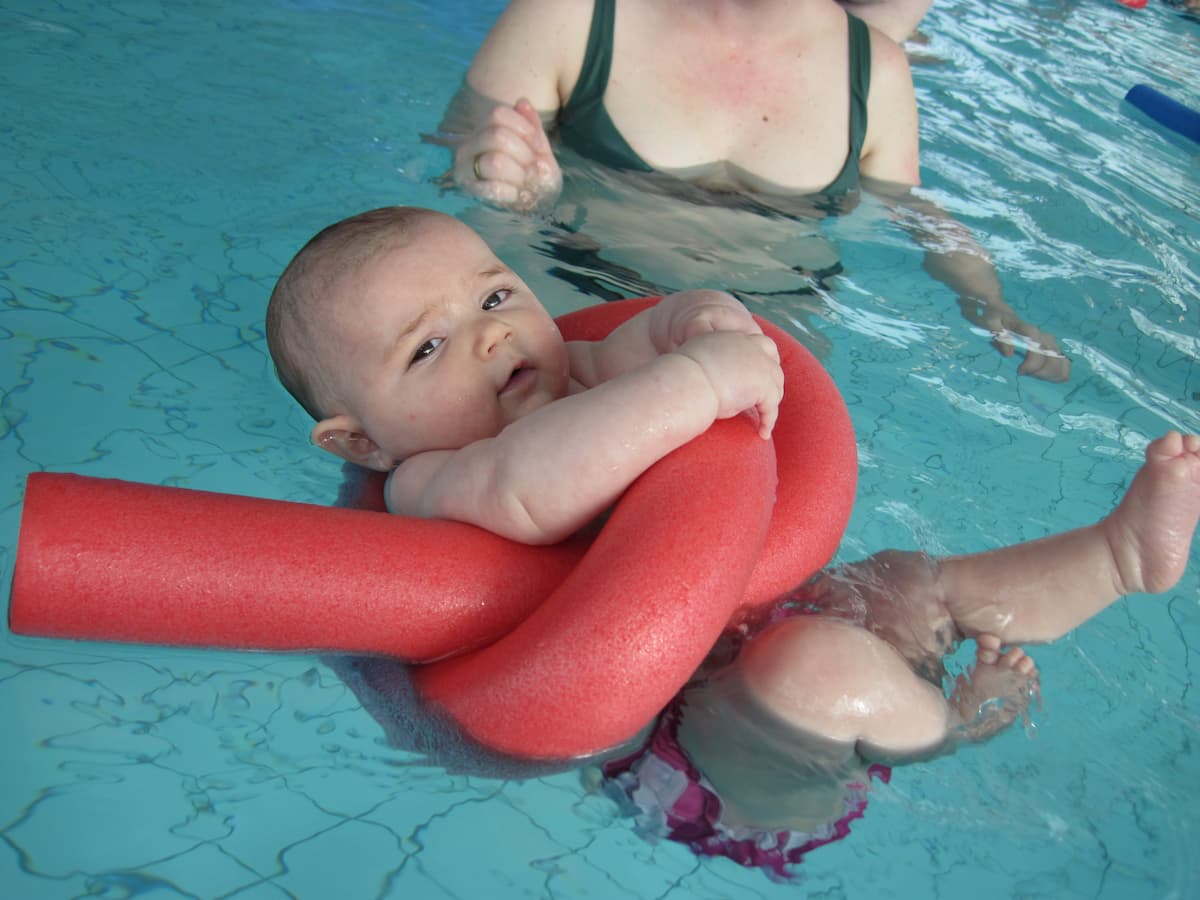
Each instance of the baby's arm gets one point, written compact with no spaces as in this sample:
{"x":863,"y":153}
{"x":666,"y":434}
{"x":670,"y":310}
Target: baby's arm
{"x":663,"y":328}
{"x":550,"y":473}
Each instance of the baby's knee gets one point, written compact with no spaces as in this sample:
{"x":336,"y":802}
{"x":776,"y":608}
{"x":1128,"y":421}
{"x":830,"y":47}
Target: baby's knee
{"x":817,"y":665}
{"x":841,"y":681}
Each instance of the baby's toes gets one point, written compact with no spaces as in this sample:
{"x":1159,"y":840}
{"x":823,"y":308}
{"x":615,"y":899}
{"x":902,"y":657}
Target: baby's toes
{"x":987,"y":649}
{"x":989,"y":642}
{"x":1012,"y":658}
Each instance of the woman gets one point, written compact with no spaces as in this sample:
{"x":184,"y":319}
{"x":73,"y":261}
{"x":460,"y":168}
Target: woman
{"x":782,"y":100}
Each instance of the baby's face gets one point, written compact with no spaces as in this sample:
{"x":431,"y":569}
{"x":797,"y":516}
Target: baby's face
{"x":439,"y":344}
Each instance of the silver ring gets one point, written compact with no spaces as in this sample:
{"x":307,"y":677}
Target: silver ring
{"x":475,"y":167}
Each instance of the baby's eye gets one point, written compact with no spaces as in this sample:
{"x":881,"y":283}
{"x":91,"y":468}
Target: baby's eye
{"x":495,"y":298}
{"x":426,"y":349}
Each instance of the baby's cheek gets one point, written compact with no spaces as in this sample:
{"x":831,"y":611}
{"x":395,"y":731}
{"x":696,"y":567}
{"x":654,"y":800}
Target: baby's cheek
{"x":557,"y":351}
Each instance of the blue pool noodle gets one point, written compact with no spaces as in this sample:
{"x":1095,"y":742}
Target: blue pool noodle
{"x":1165,"y":110}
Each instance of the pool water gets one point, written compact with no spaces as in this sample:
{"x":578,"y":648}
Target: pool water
{"x":162,"y":162}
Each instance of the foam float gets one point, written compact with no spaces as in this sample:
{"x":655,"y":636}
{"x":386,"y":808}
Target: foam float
{"x":537,"y":652}
{"x":1166,"y":111}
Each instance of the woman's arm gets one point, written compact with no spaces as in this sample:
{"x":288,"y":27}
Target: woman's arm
{"x":953,"y":256}
{"x":895,"y":18}
{"x":532,"y":50}
{"x":519,"y":79}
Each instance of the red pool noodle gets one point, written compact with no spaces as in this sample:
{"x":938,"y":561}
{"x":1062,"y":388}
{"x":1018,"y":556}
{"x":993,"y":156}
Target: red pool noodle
{"x":108,"y":560}
{"x":116,"y":561}
{"x":606,"y":651}
{"x":814,"y":446}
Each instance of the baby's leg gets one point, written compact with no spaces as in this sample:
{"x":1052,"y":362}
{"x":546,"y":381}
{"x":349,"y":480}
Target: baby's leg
{"x":1036,"y":591}
{"x":1040,"y":590}
{"x":833,"y":680}
{"x":896,"y":595}
{"x":810,"y":701}
{"x":823,"y":677}
{"x":778,"y":732}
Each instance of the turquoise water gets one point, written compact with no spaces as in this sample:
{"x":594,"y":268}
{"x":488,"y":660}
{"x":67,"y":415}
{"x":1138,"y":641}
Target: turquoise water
{"x":161,"y":162}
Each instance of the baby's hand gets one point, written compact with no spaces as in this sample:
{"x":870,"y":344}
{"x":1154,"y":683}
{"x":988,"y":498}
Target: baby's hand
{"x":702,"y":311}
{"x":743,"y":371}
{"x":508,"y":161}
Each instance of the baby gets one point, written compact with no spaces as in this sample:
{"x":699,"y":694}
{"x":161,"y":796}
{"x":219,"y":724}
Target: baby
{"x":420,"y":354}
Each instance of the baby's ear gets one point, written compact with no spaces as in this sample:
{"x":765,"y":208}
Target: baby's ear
{"x":343,"y":436}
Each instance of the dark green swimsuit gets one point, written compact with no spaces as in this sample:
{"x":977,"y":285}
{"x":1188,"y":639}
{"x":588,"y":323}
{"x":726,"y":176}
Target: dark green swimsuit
{"x":584,"y":125}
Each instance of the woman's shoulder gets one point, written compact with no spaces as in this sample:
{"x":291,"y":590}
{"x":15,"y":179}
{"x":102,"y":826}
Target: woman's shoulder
{"x":888,"y":59}
{"x":531,"y":18}
{"x":534,"y":47}
{"x":890,"y":152}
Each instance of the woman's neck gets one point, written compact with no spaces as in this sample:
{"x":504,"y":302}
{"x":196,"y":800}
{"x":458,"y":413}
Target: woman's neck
{"x":740,"y":21}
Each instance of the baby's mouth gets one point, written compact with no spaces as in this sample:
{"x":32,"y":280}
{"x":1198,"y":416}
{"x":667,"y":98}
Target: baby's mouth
{"x":520,"y":377}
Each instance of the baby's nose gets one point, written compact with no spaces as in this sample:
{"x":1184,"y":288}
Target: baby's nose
{"x":494,"y":332}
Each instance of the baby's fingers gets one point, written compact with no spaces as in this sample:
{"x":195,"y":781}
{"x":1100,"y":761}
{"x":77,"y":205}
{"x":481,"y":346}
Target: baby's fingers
{"x":1043,"y":358}
{"x":768,"y":406}
{"x":768,"y":415}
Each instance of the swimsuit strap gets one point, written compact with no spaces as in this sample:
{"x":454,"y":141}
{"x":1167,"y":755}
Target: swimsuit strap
{"x":597,"y":59}
{"x":860,"y":83}
{"x":860,"y":89}
{"x":584,"y":124}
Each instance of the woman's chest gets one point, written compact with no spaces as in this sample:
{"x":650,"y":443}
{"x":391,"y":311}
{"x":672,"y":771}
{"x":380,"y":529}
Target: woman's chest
{"x":784,"y":118}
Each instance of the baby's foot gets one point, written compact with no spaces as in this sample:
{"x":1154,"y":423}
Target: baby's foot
{"x":1150,"y":531}
{"x":995,"y":692}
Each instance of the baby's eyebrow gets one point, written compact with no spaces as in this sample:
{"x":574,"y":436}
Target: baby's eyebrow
{"x":407,"y":332}
{"x":492,"y":271}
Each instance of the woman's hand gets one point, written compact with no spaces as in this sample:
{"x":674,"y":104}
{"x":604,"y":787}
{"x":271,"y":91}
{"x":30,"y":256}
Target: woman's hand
{"x":1043,"y":358}
{"x":508,"y":161}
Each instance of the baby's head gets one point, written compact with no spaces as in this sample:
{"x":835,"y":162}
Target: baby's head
{"x":400,"y":332}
